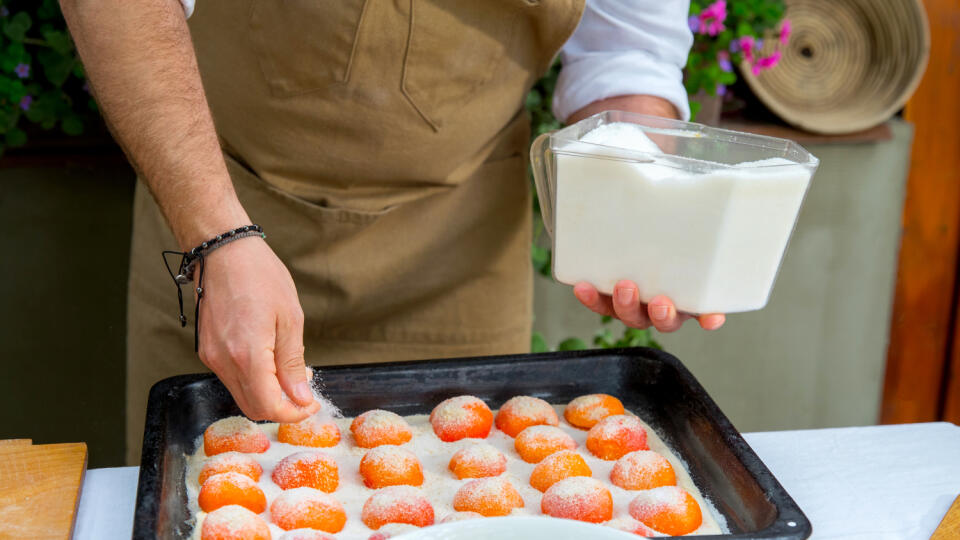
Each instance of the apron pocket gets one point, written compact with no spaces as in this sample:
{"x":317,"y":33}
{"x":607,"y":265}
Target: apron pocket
{"x":305,"y":45}
{"x":455,"y":47}
{"x":286,"y":206}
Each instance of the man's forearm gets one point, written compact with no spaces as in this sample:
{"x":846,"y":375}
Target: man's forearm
{"x":143,"y":71}
{"x":651,"y":105}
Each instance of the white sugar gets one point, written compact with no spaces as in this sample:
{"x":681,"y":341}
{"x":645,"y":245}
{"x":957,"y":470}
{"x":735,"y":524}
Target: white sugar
{"x":662,"y":496}
{"x":543,"y":431}
{"x":395,"y":529}
{"x":611,"y":425}
{"x":575,"y":486}
{"x":736,"y":220}
{"x":296,"y":496}
{"x":529,"y":406}
{"x":454,"y":411}
{"x":591,"y":403}
{"x":479,"y":452}
{"x":640,"y":460}
{"x":439,"y":484}
{"x":390,"y":458}
{"x":228,"y":459}
{"x":387,"y":497}
{"x":233,"y":517}
{"x":231,"y":426}
{"x":621,"y":135}
{"x":328,"y":411}
{"x":379,"y":419}
{"x":460,"y":516}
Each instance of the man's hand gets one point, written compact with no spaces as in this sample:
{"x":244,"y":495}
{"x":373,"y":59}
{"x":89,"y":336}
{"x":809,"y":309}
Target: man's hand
{"x":142,"y":69}
{"x":624,"y":303}
{"x":251,"y":331}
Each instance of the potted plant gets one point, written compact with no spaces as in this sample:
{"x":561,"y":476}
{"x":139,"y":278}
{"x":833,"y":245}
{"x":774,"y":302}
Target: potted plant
{"x":42,"y":85}
{"x":724,"y":36}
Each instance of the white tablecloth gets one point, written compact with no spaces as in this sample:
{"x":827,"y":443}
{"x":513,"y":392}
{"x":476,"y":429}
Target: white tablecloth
{"x":876,"y":483}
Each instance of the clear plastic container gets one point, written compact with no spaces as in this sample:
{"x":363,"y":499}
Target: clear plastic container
{"x":700,"y":214}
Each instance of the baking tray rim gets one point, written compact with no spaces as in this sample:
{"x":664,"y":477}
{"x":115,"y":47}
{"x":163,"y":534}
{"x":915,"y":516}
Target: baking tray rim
{"x":790,"y":523}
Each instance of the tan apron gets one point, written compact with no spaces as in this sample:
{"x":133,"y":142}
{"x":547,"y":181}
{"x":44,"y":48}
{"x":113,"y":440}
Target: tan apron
{"x":381,"y":145}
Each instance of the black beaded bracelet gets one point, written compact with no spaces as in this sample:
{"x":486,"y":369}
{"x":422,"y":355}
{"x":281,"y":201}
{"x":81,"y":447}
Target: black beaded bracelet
{"x":192,"y":257}
{"x":189,"y":260}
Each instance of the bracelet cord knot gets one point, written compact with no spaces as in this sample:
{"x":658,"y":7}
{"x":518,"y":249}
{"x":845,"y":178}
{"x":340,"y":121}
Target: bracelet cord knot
{"x":191,"y":264}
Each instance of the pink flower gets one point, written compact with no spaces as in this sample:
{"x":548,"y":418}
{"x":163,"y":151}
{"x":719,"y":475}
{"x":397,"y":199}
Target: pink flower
{"x":746,"y":45}
{"x":785,"y":29}
{"x":766,"y":62}
{"x":25,"y":102}
{"x":711,"y":19}
{"x":22,"y":70}
{"x":771,"y":60}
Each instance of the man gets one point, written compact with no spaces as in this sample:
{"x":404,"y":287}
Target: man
{"x":380,"y":144}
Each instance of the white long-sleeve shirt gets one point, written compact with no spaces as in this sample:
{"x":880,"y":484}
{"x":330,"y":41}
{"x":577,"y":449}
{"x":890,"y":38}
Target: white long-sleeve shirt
{"x":620,"y":47}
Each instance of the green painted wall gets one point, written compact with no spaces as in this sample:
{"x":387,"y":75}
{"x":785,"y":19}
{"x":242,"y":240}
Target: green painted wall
{"x":64,"y":250}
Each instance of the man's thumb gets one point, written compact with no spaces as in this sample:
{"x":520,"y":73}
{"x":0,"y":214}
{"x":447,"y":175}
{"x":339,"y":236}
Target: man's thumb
{"x":290,"y":366}
{"x":293,"y":379}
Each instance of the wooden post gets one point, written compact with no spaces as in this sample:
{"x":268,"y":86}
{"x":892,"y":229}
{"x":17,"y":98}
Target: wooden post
{"x":925,"y":301}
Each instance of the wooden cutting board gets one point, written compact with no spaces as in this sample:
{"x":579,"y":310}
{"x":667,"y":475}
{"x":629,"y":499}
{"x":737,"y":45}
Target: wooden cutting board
{"x":949,"y":528}
{"x":40,"y":488}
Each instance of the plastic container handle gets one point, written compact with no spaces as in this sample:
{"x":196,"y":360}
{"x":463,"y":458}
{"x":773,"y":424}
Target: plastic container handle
{"x":544,"y":177}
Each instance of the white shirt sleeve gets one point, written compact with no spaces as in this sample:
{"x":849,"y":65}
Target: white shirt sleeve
{"x":188,"y":7}
{"x":625,"y":47}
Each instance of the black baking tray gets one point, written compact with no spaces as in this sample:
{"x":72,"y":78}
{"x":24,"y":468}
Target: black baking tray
{"x":651,"y":383}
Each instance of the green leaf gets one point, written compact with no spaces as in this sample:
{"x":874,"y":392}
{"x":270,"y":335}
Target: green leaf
{"x":72,"y":125}
{"x":59,"y":41}
{"x":572,"y":344}
{"x":537,"y":343}
{"x":637,"y":337}
{"x":534,"y":99}
{"x":694,"y":109}
{"x":16,"y":53}
{"x":15,"y":137}
{"x":48,"y":10}
{"x":541,"y":259}
{"x":8,"y":117}
{"x":56,"y":66}
{"x":6,"y":87}
{"x":48,"y":108}
{"x":16,"y":27}
{"x":604,"y":339}
{"x":605,"y":319}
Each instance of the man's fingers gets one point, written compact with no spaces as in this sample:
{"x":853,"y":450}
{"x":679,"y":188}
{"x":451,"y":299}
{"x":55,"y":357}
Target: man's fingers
{"x":288,"y":355}
{"x":588,"y":295}
{"x":626,"y":304}
{"x":236,"y":390}
{"x":711,"y":321}
{"x":664,"y":314}
{"x":265,"y":397}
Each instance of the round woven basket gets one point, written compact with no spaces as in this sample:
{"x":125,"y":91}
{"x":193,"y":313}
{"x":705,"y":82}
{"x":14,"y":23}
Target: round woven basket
{"x":849,"y":64}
